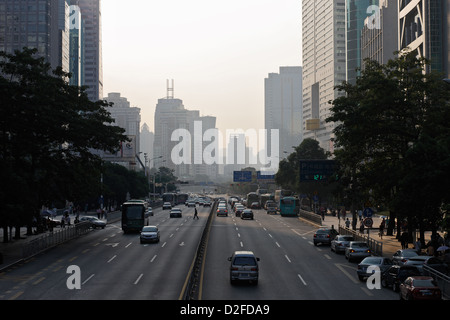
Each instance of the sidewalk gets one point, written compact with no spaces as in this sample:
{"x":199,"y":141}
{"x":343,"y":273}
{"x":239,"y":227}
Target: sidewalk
{"x":11,"y":252}
{"x":390,"y":243}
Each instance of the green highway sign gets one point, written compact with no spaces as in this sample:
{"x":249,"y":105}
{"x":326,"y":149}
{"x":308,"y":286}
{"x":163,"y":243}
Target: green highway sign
{"x":317,"y":170}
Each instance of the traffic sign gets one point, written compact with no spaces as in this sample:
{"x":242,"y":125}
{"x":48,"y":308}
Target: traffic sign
{"x":368,"y":212}
{"x":317,"y":170}
{"x":368,"y":222}
{"x":242,"y":176}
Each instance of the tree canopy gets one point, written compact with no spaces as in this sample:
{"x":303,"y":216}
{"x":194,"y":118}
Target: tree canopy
{"x":48,"y":131}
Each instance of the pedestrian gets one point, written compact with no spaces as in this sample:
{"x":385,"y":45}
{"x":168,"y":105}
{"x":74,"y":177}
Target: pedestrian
{"x":347,"y":223}
{"x":404,"y":240}
{"x":195,"y":213}
{"x":360,"y":214}
{"x":382,"y":225}
{"x":361,"y":227}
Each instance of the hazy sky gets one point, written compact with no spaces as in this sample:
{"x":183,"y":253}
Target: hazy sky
{"x":217,"y":52}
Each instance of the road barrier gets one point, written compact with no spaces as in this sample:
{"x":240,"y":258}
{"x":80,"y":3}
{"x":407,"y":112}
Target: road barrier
{"x":54,"y":238}
{"x":191,"y":291}
{"x":375,"y":246}
{"x":442,"y":280}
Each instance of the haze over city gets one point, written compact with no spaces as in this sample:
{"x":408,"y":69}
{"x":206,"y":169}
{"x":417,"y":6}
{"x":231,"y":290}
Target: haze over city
{"x":217,"y":53}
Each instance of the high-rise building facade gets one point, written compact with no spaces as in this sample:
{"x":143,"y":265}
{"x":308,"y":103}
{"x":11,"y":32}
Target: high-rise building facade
{"x":39,"y":24}
{"x":170,"y":115}
{"x":283,"y":107}
{"x":356,"y":13}
{"x":424,"y":27}
{"x":92,"y":40}
{"x":76,"y":66}
{"x":378,"y":41}
{"x":324,"y":65}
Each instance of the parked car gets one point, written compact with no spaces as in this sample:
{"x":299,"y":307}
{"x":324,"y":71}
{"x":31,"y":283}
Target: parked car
{"x":396,"y":274}
{"x":167,"y":205}
{"x":95,"y":222}
{"x":341,"y":242}
{"x":357,"y":250}
{"x":175,"y":213}
{"x":149,"y":234}
{"x":401,"y":256}
{"x":244,"y":266}
{"x":382,"y":263}
{"x":150,"y":211}
{"x":247,"y":214}
{"x":430,"y":261}
{"x":420,"y":288}
{"x":324,"y":235}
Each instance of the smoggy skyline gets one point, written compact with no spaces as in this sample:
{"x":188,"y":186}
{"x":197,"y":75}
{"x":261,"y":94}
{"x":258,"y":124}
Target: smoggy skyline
{"x":217,"y":53}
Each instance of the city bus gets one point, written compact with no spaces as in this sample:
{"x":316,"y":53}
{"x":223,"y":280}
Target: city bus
{"x":134,"y":216}
{"x":287,"y":206}
{"x":252,"y":197}
{"x":169,"y":197}
{"x":181,"y":198}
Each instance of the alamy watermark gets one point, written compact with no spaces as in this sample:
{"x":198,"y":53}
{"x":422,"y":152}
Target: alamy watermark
{"x":374,"y":20}
{"x":207,"y":147}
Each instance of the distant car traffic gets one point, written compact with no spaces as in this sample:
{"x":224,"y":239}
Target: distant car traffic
{"x":247,"y":214}
{"x":324,"y":235}
{"x":255,"y":205}
{"x":340,"y":243}
{"x":357,"y":250}
{"x":244,"y":267}
{"x":167,"y":205}
{"x":191,"y":203}
{"x":222,"y":211}
{"x":95,"y":223}
{"x":175,"y":213}
{"x":149,"y":234}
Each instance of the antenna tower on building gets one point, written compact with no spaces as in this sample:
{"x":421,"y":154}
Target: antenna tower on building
{"x":170,"y":90}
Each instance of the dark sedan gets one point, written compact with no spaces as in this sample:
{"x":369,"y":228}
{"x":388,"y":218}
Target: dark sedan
{"x":396,"y":274}
{"x":247,"y":214}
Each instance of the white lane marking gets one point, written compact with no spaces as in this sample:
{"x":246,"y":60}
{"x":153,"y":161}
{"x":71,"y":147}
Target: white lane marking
{"x":277,"y":244}
{"x":88,"y":279}
{"x":128,"y":245}
{"x":154,"y":257}
{"x":139,"y":278}
{"x":287,"y":258}
{"x":112,"y":258}
{"x":304,"y":282}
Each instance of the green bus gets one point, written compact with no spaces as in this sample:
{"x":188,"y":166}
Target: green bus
{"x":287,"y":206}
{"x":134,"y":216}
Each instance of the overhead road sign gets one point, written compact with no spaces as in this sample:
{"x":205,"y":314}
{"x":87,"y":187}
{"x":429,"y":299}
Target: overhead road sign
{"x":317,"y":170}
{"x":242,"y":176}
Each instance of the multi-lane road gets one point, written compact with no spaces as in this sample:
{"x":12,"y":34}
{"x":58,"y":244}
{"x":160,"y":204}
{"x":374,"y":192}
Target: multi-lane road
{"x":115,"y":266}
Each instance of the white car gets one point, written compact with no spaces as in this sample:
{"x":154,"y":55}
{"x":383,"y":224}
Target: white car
{"x":149,"y":234}
{"x":167,"y":205}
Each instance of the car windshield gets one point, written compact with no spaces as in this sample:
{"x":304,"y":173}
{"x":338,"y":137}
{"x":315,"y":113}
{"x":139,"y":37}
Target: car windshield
{"x":424,"y":283}
{"x":149,"y":229}
{"x":359,"y":244}
{"x":409,"y":254}
{"x":244,"y":261}
{"x":323,"y":231}
{"x":345,"y":238}
{"x":372,"y":261}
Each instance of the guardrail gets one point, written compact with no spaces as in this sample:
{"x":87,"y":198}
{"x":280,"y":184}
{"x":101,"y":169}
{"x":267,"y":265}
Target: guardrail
{"x":442,"y":280}
{"x":374,"y":245}
{"x":54,"y":238}
{"x":191,"y":291}
{"x":310,"y":216}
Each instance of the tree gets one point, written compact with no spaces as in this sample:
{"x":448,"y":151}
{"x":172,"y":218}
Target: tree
{"x":48,"y":130}
{"x":392,"y":131}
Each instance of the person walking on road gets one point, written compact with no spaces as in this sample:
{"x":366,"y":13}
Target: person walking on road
{"x":195,"y":213}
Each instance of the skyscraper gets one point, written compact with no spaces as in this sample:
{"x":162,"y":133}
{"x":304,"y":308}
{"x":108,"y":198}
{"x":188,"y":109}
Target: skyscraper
{"x":39,"y":24}
{"x":324,"y":65}
{"x":424,"y":27}
{"x":283,"y":107}
{"x":93,"y":63}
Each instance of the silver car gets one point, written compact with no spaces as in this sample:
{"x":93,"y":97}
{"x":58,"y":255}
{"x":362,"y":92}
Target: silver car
{"x":340,"y":243}
{"x":357,"y":250}
{"x":244,"y":266}
{"x":149,"y":234}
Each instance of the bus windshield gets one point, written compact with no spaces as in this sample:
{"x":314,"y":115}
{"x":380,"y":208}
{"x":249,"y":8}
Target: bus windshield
{"x":134,"y":212}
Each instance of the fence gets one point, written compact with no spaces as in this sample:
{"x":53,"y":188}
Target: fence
{"x":443,"y":281}
{"x":310,"y":216}
{"x":54,"y":238}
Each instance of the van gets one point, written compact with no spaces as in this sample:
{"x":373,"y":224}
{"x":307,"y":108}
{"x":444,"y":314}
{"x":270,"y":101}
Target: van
{"x":244,"y":267}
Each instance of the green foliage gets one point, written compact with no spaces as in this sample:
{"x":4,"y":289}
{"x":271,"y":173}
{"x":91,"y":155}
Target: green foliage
{"x":48,"y":129}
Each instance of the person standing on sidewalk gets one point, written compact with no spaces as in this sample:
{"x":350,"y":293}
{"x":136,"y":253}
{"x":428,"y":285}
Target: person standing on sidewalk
{"x":382,"y":225}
